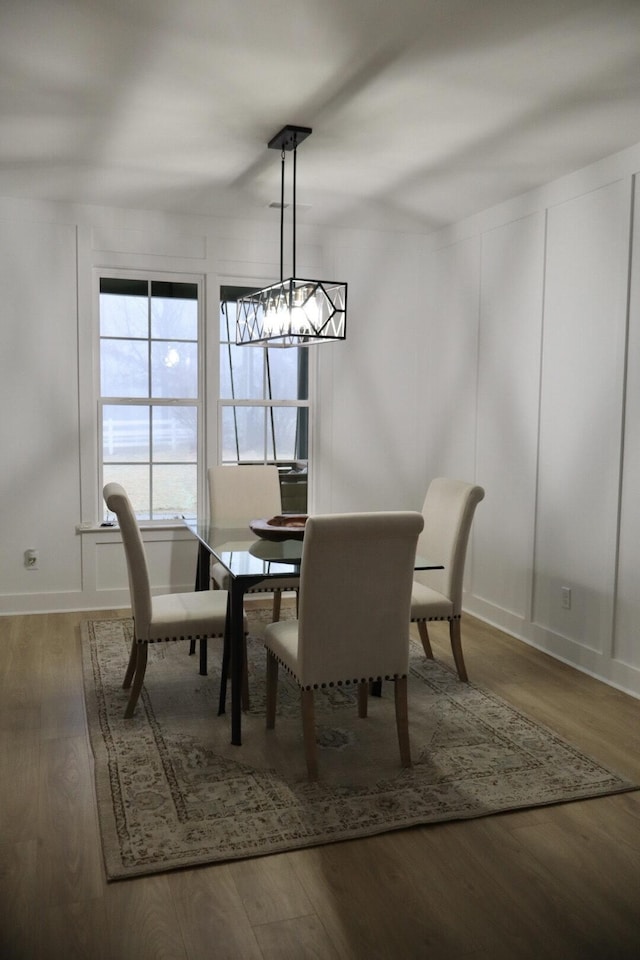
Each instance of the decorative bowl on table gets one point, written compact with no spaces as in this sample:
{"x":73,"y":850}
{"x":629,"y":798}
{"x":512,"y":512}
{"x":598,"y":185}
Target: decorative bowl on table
{"x":283,"y":527}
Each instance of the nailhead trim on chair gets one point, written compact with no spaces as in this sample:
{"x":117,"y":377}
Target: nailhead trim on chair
{"x":267,"y":589}
{"x":347,"y":683}
{"x":271,"y":590}
{"x":455,"y":616}
{"x":337,"y":683}
{"x":199,"y":636}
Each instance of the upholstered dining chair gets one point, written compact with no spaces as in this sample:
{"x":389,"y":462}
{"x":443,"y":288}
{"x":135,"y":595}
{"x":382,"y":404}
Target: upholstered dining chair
{"x":448,"y":512}
{"x":352,"y":625}
{"x":237,"y":495}
{"x":173,"y":616}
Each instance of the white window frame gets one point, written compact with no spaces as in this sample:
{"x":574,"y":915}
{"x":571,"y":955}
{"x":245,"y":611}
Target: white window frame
{"x":146,"y":402}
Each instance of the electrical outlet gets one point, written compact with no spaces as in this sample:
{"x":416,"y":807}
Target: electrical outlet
{"x":31,"y":559}
{"x":566,"y":598}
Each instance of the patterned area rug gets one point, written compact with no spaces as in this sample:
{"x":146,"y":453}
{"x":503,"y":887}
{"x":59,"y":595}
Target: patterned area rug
{"x":173,"y":792}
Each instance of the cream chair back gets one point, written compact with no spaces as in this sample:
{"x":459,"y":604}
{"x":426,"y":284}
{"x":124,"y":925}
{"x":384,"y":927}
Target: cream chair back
{"x":448,"y":512}
{"x":244,"y":492}
{"x":139,"y":584}
{"x":355,"y":596}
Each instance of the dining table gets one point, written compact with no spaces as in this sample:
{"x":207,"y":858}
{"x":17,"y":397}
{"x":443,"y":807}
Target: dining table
{"x":249,"y":560}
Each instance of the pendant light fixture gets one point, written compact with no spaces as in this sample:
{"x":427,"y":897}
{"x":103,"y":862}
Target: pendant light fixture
{"x":293,"y":312}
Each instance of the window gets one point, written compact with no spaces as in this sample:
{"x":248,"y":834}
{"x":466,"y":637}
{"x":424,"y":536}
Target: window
{"x":150,"y":393}
{"x":264,"y":405}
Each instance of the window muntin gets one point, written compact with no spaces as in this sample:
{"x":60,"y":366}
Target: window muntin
{"x":150,"y":407}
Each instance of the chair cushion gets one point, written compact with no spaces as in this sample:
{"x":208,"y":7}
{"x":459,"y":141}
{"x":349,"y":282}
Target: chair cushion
{"x":201,"y":613}
{"x":282,"y":638}
{"x":428,"y":604}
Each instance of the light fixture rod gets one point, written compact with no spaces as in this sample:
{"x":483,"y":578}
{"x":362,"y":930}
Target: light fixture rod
{"x":293,"y":257}
{"x":282,"y":218}
{"x":288,"y":139}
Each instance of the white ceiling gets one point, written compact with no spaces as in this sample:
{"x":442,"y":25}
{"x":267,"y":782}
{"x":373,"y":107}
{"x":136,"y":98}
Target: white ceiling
{"x":423,"y":111}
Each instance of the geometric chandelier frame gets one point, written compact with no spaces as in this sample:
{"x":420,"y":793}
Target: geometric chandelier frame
{"x":294,"y":312}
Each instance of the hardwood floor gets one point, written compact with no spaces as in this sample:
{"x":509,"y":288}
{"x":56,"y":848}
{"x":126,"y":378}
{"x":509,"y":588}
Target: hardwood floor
{"x":559,"y":882}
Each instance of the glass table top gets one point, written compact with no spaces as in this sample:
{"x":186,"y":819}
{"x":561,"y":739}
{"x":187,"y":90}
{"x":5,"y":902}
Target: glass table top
{"x":244,"y":555}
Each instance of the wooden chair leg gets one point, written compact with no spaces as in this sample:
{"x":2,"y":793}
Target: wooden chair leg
{"x":136,"y":687}
{"x":272,"y":690}
{"x":309,"y":733}
{"x":456,"y":647}
{"x":131,"y":666}
{"x":402,"y":721}
{"x":363,"y":698}
{"x":424,"y":636}
{"x":277,"y":600}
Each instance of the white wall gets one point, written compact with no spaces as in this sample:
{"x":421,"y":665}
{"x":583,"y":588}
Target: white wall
{"x":368,"y":402}
{"x":552,"y":432}
{"x":625,"y":650}
{"x":512,"y":264}
{"x":39,"y":479}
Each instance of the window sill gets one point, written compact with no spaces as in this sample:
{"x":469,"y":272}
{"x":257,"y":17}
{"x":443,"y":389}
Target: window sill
{"x":94,"y":528}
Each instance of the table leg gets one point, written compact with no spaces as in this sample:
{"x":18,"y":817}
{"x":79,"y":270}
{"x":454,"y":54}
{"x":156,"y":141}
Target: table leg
{"x":203,"y":568}
{"x":236,"y":594}
{"x":226,"y":656}
{"x":202,"y":583}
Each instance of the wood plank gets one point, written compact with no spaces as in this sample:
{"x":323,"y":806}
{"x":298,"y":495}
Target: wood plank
{"x":75,"y":931}
{"x":21,"y":643}
{"x":70,"y":868}
{"x":595,"y":880}
{"x":210,"y":911}
{"x":270,"y":889}
{"x":20,"y":778}
{"x":18,"y":903}
{"x":304,"y":938}
{"x":142,"y":920}
{"x":62,"y":705}
{"x":370,"y":907}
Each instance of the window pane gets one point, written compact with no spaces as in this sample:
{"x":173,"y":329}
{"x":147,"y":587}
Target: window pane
{"x":247,"y":424}
{"x":124,"y":316}
{"x":174,"y":367}
{"x":285,"y":375}
{"x":248,"y":373}
{"x":290,"y":424}
{"x":172,"y":318}
{"x":175,"y":488}
{"x":226,"y":387}
{"x":175,"y":434}
{"x":124,"y":368}
{"x":135,"y":480}
{"x":125,"y":433}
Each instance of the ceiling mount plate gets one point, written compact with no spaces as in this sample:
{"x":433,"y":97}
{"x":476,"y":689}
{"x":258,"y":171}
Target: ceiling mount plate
{"x":289,"y":137}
